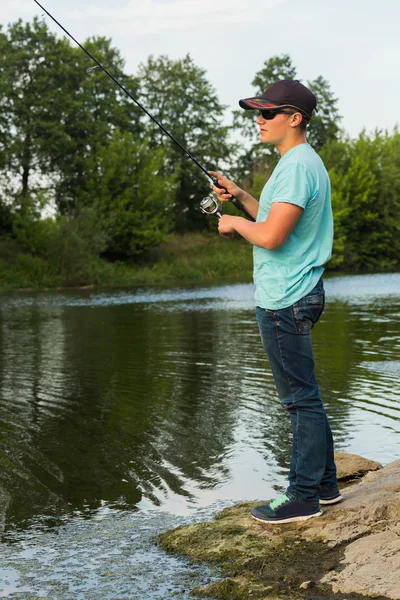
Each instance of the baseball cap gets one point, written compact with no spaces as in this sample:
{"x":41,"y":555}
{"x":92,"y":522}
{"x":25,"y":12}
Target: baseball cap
{"x":288,"y":93}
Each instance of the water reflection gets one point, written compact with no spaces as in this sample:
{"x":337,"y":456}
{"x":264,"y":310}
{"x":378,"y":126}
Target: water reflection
{"x":164,"y":398}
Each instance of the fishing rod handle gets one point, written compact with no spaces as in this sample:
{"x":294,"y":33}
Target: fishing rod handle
{"x":240,"y":206}
{"x":232,"y":199}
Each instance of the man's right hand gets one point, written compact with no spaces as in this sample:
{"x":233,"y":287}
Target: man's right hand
{"x":229,"y":187}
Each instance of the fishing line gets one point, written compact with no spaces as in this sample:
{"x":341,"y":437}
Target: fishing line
{"x":235,"y":201}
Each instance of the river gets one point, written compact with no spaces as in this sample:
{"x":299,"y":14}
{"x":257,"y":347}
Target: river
{"x":125,"y":413}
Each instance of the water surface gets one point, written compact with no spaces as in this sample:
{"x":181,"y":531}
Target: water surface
{"x":123,"y":414}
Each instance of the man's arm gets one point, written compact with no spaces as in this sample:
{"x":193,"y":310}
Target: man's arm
{"x":269,"y":234}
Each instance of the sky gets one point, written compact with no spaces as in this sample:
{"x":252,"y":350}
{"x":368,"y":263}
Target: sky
{"x":354,"y":44}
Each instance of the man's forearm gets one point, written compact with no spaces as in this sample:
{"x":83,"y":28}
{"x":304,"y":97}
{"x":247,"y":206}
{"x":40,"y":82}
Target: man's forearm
{"x":255,"y":233}
{"x":269,"y":234}
{"x":250,"y":203}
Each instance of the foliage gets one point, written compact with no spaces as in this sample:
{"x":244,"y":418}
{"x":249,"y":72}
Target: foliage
{"x":190,"y":258}
{"x":132,"y":196}
{"x":74,"y":243}
{"x":366,"y":203}
{"x":58,"y":132}
{"x":324,"y":126}
{"x":53,"y":115}
{"x":29,"y":108}
{"x":96,"y":108}
{"x":179,"y":96}
{"x":85,"y":174}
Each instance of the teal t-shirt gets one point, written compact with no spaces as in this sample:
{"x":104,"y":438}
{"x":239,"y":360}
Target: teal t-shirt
{"x":286,"y":274}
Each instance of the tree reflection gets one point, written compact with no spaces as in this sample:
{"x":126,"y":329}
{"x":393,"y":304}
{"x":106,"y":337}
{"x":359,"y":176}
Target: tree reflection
{"x":119,"y":403}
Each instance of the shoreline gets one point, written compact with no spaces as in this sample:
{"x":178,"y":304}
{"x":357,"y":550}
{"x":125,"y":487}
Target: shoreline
{"x":190,"y":259}
{"x":351,"y":551}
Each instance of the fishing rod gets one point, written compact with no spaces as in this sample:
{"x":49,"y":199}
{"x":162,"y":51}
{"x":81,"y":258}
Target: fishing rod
{"x":209,"y":199}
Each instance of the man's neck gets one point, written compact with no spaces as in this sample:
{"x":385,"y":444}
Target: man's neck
{"x":287,"y":145}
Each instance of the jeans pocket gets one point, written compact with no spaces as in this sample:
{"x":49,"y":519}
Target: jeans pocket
{"x":307,"y":311}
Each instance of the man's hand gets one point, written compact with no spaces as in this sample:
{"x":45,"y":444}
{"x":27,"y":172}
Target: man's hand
{"x":230,"y":188}
{"x":226,"y":226}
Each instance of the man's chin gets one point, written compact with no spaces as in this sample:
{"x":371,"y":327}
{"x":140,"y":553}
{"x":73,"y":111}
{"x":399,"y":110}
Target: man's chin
{"x":264,"y":139}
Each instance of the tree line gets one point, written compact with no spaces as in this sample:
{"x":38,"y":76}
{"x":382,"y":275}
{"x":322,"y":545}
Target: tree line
{"x":84,"y":172}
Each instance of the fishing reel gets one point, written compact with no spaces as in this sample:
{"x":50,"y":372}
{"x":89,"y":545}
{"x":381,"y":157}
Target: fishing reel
{"x":210,"y":206}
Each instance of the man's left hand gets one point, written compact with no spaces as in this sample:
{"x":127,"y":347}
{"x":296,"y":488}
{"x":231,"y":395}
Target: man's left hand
{"x":226,"y":226}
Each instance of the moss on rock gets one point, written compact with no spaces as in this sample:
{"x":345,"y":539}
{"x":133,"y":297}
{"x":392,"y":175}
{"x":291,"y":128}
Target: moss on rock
{"x":257,"y":562}
{"x":298,"y":560}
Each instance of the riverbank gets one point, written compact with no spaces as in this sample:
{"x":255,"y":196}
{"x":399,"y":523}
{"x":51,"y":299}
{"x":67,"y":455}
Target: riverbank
{"x":351,"y":551}
{"x":190,"y":258}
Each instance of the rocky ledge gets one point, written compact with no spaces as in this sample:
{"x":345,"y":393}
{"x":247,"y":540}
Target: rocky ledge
{"x":351,"y":551}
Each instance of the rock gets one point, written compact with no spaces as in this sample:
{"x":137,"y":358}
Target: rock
{"x":353,"y":548}
{"x":305,"y":585}
{"x":371,"y":567}
{"x":328,"y":565}
{"x":370,"y":505}
{"x":352,"y":466}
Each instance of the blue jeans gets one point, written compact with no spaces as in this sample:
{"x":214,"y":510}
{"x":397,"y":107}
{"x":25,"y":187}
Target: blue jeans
{"x":286,"y":337}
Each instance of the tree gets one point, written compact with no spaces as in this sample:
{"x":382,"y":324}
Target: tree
{"x":365,"y":202}
{"x":132,"y":196}
{"x":29,"y":108}
{"x":324,"y":126}
{"x":72,"y":136}
{"x":96,"y":108}
{"x":54,"y":116}
{"x":179,"y":96}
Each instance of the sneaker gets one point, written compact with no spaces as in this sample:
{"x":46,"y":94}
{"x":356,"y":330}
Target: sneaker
{"x":285,"y":510}
{"x":330,"y":498}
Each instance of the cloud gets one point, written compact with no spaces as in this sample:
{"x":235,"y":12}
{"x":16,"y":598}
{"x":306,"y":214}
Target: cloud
{"x":25,"y":9}
{"x":152,"y":16}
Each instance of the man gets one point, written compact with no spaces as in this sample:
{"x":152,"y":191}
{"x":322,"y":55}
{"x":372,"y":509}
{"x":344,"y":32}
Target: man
{"x":292,"y":239}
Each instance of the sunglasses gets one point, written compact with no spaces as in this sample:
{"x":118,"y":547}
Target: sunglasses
{"x":270,"y":113}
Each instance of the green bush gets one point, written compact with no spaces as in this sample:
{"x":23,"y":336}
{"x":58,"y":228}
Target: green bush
{"x":366,"y":203}
{"x":74,"y":244}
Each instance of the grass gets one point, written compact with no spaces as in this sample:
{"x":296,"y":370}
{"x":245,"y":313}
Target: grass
{"x":189,"y":258}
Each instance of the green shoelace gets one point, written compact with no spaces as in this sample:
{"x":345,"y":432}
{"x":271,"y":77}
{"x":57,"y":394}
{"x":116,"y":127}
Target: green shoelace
{"x":281,"y":500}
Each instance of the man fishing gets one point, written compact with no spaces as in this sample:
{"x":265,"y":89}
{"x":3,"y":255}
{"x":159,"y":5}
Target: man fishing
{"x":292,"y":239}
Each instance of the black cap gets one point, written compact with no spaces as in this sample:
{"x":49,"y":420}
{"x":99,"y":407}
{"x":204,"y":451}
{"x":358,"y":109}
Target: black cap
{"x":288,"y":93}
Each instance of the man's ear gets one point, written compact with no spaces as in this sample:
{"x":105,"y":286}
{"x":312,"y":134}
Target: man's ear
{"x":296,"y":120}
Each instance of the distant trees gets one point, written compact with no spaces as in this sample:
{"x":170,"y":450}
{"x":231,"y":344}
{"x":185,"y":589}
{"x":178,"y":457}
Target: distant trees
{"x":69,"y":141}
{"x":75,"y":149}
{"x":365,"y":177}
{"x":179,"y":96}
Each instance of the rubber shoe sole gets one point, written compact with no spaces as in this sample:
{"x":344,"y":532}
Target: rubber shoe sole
{"x":334,"y":500}
{"x":289,"y":519}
